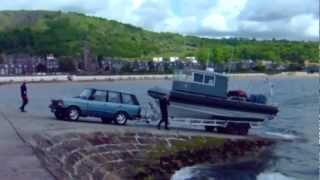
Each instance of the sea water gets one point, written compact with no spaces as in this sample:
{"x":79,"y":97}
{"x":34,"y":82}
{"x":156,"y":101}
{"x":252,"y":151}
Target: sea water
{"x":296,"y":126}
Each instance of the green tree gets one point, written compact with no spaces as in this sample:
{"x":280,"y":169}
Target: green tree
{"x":66,"y":64}
{"x":203,"y":55}
{"x":260,"y":67}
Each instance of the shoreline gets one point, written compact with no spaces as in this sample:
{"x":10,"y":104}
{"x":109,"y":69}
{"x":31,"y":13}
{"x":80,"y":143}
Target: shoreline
{"x":76,"y":78}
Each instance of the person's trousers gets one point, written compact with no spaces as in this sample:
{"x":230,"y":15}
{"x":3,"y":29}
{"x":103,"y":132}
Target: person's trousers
{"x":24,"y":103}
{"x":164,"y":120}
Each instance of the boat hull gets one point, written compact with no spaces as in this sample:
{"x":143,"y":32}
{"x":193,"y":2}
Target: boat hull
{"x":181,"y":110}
{"x":187,"y":105}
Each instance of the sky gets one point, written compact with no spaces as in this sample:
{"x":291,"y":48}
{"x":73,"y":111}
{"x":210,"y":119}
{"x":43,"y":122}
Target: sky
{"x":260,"y":19}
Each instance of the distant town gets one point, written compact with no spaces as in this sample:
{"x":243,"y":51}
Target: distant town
{"x":21,"y":64}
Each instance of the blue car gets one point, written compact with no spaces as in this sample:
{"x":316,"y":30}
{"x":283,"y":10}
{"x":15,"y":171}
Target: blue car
{"x":110,"y":106}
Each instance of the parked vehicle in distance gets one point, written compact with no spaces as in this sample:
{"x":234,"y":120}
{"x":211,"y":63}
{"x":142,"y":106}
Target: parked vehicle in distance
{"x":110,"y":106}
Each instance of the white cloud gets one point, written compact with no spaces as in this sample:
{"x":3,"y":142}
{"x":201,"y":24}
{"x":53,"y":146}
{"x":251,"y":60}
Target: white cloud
{"x":215,"y":22}
{"x":183,"y":25}
{"x":292,"y":19}
{"x":223,"y":16}
{"x":313,"y":28}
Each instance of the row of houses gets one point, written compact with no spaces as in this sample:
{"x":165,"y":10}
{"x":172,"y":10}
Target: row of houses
{"x":247,"y":65}
{"x":21,"y":64}
{"x":24,"y":64}
{"x":118,"y":66}
{"x":28,"y":65}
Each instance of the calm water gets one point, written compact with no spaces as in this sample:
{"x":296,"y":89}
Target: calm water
{"x":297,"y":124}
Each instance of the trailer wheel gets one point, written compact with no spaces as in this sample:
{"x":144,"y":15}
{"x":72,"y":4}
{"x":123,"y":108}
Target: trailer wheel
{"x":209,"y":128}
{"x":221,"y":130}
{"x":237,"y":128}
{"x":243,"y":129}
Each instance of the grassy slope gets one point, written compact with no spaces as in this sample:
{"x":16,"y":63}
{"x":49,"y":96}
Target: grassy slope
{"x":111,"y":38}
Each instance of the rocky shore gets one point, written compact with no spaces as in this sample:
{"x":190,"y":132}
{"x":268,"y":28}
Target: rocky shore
{"x":138,"y":155}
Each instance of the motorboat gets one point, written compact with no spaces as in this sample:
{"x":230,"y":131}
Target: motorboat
{"x":204,"y":95}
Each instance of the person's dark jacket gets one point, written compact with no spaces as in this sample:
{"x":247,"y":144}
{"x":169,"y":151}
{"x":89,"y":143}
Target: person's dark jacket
{"x":23,"y":90}
{"x":164,"y":103}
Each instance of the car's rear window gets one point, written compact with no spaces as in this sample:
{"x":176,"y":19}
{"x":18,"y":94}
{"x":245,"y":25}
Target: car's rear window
{"x":114,"y":97}
{"x":128,"y":99}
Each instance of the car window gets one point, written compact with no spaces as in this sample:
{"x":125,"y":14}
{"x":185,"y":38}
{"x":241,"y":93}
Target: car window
{"x":100,"y":96}
{"x":127,"y":99}
{"x":114,"y":97}
{"x":198,"y":78}
{"x":85,"y":94}
{"x":209,"y":80}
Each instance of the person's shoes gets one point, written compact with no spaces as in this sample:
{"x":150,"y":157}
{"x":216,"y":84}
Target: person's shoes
{"x":167,"y":128}
{"x":159,"y":127}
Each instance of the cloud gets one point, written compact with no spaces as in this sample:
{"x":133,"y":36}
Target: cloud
{"x":222,"y":17}
{"x":151,"y":13}
{"x":291,"y":19}
{"x":274,"y":9}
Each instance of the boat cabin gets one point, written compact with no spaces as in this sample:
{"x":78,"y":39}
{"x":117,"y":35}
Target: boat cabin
{"x":208,"y":83}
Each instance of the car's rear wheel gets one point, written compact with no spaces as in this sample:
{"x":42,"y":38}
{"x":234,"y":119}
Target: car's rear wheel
{"x":121,"y":118}
{"x":73,"y":113}
{"x":59,"y":115}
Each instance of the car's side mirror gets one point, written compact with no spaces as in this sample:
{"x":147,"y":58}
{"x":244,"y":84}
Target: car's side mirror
{"x":91,"y":98}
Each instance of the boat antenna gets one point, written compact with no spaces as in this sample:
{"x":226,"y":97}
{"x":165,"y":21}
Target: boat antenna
{"x":271,"y":87}
{"x":230,"y":61}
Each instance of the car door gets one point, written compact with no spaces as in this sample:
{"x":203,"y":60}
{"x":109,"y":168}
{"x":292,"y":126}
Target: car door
{"x":130,"y":105}
{"x":97,"y":104}
{"x":114,"y":102}
{"x":80,"y":101}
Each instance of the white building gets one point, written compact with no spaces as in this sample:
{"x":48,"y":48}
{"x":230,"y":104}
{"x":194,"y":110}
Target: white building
{"x":157,"y":59}
{"x":192,"y":59}
{"x":50,"y":57}
{"x":174,"y":59}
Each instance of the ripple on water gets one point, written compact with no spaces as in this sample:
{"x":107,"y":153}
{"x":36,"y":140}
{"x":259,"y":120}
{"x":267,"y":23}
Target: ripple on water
{"x":273,"y":176}
{"x":191,"y":173}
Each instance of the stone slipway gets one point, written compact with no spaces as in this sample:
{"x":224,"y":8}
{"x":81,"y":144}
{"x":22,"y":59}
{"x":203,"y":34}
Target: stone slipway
{"x":32,"y":143}
{"x":133,"y":153}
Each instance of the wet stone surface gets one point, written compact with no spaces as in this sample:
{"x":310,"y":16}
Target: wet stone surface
{"x":101,"y":155}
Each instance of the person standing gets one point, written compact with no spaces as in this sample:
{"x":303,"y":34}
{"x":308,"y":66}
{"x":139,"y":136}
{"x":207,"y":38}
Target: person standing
{"x":24,"y":96}
{"x":164,"y":103}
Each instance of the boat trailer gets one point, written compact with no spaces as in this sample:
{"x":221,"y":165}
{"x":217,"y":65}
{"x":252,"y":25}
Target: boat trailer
{"x":153,"y":116}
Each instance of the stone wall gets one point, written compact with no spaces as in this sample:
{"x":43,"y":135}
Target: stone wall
{"x":75,"y":78}
{"x":107,"y":156}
